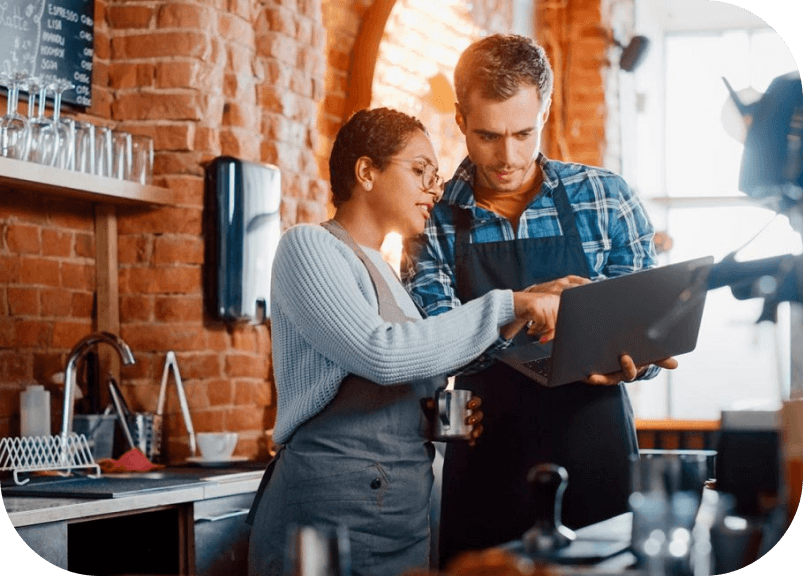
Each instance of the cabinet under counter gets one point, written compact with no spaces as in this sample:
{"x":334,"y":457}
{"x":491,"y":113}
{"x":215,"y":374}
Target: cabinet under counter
{"x":161,"y":527}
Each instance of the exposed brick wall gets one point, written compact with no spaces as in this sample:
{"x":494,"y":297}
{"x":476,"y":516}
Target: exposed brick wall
{"x":574,"y":38}
{"x":174,"y":67}
{"x":343,"y":20}
{"x":47,"y":283}
{"x":246,"y":85}
{"x":203,"y":78}
{"x":263,"y":80}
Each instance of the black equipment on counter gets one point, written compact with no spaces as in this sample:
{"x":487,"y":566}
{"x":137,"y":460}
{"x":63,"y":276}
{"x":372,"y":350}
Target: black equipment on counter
{"x":550,"y":541}
{"x":748,"y":460}
{"x":242,"y":231}
{"x":548,"y":534}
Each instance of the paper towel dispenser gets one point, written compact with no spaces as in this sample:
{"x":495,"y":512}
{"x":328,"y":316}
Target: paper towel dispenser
{"x":242,"y":231}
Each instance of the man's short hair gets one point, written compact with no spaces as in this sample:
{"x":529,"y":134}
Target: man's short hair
{"x":499,"y":66}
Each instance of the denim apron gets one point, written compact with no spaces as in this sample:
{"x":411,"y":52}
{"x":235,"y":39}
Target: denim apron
{"x":363,"y":462}
{"x":589,"y":430}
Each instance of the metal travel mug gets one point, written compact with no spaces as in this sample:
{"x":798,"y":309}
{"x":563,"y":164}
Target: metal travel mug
{"x":449,"y":420}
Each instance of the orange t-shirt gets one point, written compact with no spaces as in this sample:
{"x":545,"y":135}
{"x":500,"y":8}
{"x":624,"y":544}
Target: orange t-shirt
{"x":509,"y":204}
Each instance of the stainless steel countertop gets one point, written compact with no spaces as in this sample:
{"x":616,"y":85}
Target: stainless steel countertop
{"x":30,"y":510}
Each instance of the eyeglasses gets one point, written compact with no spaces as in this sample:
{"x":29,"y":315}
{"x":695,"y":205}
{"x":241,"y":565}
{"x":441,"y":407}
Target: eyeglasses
{"x":429,"y":174}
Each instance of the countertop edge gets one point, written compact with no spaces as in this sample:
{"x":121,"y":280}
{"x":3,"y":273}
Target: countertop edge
{"x":46,"y":510}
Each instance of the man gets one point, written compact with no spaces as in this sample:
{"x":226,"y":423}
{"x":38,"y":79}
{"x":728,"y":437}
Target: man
{"x":511,"y":218}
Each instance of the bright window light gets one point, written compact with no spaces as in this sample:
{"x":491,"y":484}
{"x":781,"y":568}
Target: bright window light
{"x":737,"y":362}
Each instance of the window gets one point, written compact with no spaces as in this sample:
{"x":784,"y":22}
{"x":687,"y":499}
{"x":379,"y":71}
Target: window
{"x":689,"y":181}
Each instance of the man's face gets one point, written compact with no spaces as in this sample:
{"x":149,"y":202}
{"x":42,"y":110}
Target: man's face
{"x":503,"y":137}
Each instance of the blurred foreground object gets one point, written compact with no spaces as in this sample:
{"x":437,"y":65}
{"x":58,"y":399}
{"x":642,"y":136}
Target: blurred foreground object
{"x":548,"y":534}
{"x":772,"y":162}
{"x":493,"y":562}
{"x":663,"y":242}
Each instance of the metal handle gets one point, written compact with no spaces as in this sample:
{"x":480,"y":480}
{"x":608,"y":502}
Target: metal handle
{"x":444,"y":407}
{"x":171,"y":364}
{"x":121,"y":409}
{"x":224,"y":516}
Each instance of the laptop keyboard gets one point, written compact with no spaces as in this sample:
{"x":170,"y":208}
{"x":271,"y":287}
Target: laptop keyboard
{"x":542,"y":366}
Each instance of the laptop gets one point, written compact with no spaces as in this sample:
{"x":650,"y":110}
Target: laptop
{"x":650,"y":314}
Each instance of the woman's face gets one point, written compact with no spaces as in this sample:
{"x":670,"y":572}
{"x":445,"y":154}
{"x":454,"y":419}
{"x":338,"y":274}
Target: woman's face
{"x":400,"y":199}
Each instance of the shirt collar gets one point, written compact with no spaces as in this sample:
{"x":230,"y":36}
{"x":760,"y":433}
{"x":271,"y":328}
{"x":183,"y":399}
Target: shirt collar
{"x":459,"y":190}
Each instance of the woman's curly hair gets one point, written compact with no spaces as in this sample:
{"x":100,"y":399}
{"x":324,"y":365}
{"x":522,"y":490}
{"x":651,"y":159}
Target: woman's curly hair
{"x":377,"y":134}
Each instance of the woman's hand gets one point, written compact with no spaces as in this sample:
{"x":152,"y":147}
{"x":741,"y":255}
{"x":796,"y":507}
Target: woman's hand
{"x":473,"y":418}
{"x":629,"y":372}
{"x":537,"y":307}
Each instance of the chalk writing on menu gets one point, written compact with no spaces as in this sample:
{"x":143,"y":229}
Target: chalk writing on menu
{"x":51,"y":39}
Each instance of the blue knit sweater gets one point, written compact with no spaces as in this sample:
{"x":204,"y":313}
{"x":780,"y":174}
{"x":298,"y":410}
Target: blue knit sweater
{"x":325,"y":325}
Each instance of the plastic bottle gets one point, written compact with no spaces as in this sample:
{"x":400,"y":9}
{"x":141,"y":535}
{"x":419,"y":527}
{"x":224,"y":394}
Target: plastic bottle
{"x":35,"y":411}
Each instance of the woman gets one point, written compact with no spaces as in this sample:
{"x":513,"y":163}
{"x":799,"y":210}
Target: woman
{"x":353,"y":359}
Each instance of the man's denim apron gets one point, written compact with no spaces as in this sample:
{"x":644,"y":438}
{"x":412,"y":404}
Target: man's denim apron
{"x":589,"y":430}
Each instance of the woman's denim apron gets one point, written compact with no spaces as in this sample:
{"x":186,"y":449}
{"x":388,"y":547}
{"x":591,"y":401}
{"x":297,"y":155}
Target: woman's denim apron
{"x":363,"y":462}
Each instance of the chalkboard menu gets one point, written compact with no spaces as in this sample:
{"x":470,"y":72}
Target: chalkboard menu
{"x":50,"y":38}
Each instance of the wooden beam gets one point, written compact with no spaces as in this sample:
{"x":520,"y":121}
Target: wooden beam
{"x":107,"y":290}
{"x":678,"y":425}
{"x":364,"y":55}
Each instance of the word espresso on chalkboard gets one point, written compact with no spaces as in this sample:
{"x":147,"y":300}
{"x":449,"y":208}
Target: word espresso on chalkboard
{"x":50,"y":39}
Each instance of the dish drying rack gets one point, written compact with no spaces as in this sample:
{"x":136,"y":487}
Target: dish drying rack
{"x":51,"y":453}
{"x":45,"y":453}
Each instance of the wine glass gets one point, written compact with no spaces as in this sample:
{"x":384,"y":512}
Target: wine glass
{"x":44,"y":137}
{"x":65,"y":127}
{"x":141,"y":159}
{"x":13,"y":125}
{"x":84,"y":143}
{"x":121,"y":155}
{"x":103,"y":151}
{"x":32,"y":85}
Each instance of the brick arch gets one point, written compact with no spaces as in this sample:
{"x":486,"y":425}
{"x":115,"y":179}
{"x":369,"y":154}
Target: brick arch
{"x":354,"y":33}
{"x":344,"y":23}
{"x":364,"y":55}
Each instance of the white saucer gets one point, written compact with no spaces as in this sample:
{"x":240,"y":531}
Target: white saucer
{"x":201,"y":461}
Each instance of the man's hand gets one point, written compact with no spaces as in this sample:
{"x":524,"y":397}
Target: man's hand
{"x":629,"y":372}
{"x":537,"y":307}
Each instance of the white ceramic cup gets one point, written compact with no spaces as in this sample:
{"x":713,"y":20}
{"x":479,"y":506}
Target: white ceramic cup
{"x":216,"y":446}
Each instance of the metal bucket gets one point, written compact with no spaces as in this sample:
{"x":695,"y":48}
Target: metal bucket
{"x":146,"y":431}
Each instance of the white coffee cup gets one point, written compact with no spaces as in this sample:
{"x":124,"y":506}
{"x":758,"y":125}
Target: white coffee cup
{"x":216,"y":446}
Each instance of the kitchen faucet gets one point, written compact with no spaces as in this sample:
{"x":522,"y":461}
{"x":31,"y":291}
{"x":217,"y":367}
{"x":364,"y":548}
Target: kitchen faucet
{"x":78,"y":352}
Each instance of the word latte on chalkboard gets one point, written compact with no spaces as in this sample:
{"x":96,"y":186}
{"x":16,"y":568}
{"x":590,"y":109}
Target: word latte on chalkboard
{"x":50,"y":39}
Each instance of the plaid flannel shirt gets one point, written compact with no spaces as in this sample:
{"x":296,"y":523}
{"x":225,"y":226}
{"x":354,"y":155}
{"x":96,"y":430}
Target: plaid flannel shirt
{"x":616,"y":232}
